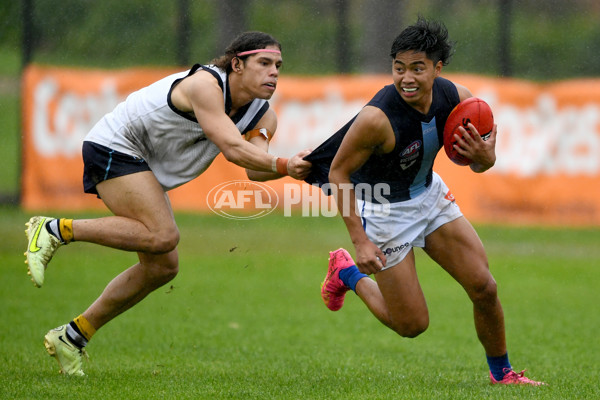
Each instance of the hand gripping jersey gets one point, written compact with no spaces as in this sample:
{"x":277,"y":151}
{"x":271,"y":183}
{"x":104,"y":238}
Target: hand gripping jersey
{"x":148,"y":126}
{"x":408,"y":168}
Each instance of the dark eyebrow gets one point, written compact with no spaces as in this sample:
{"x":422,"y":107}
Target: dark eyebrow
{"x":413,"y":63}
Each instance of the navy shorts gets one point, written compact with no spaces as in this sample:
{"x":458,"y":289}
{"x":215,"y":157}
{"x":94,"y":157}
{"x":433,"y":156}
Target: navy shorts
{"x":101,"y":163}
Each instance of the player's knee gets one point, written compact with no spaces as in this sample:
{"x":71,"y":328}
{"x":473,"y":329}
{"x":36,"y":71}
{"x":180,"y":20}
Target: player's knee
{"x":165,"y":241}
{"x":485,"y":291}
{"x":412,"y":328}
{"x":411,"y":331}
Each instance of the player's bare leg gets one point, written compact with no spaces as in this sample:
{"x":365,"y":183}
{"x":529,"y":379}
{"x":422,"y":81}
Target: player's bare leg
{"x":131,"y":286}
{"x":143,"y":222}
{"x":396,"y":299}
{"x":457,"y":248}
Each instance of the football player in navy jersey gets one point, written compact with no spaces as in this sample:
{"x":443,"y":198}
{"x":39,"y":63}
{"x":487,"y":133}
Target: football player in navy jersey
{"x":393,"y":141}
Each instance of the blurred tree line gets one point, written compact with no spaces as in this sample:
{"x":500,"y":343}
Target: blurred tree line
{"x":532,"y":39}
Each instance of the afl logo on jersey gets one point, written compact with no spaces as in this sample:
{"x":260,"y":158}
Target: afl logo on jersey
{"x":410,"y":154}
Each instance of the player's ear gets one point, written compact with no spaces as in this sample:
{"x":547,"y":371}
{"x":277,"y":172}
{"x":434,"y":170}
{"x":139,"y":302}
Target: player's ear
{"x":438,"y":68}
{"x":236,"y":64}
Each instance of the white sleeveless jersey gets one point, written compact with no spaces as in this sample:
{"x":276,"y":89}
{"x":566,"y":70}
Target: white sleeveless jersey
{"x":148,"y":126}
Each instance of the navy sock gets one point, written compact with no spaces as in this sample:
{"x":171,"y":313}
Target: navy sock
{"x":350,"y":276}
{"x":498,"y":365}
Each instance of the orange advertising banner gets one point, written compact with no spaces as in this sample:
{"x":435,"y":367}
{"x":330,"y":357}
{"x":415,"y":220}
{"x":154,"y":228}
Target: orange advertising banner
{"x":548,"y":147}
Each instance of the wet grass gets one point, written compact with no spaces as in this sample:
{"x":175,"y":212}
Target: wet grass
{"x":244,"y":320}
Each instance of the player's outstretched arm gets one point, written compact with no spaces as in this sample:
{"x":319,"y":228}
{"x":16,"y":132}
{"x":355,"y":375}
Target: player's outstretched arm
{"x":201,"y":94}
{"x":296,"y":167}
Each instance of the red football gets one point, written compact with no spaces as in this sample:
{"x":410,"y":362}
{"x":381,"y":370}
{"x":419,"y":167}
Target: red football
{"x":475,"y":111}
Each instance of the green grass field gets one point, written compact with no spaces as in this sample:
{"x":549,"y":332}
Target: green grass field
{"x":244,"y":320}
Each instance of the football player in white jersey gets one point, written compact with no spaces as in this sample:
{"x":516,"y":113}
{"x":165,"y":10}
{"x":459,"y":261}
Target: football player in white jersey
{"x":159,"y":138}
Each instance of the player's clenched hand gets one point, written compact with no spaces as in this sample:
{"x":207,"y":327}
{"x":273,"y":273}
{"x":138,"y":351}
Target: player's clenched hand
{"x":369,"y":258}
{"x":297,"y":167}
{"x":481,"y":152}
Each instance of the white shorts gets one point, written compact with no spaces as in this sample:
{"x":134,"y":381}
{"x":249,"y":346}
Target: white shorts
{"x":398,"y":227}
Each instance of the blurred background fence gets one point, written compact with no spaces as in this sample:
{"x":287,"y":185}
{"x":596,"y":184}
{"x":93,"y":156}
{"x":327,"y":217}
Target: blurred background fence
{"x":537,"y":40}
{"x":531,"y":39}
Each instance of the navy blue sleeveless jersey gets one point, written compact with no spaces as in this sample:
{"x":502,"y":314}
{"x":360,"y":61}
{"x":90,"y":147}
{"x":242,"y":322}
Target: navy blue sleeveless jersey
{"x":408,"y":168}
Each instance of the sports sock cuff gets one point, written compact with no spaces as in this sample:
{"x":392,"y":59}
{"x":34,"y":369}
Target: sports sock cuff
{"x":350,"y":276}
{"x":74,"y":336}
{"x":498,"y":365}
{"x":85,"y":328}
{"x":53,"y":228}
{"x":66,"y":229}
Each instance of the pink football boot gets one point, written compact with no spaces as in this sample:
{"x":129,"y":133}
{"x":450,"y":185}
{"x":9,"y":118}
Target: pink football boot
{"x":333,"y":290}
{"x":513,"y":378}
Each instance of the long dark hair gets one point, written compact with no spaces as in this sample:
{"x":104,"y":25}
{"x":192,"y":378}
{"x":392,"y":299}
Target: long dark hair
{"x":246,"y":41}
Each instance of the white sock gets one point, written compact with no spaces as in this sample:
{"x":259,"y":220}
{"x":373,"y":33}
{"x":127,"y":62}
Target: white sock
{"x":75,"y":338}
{"x":53,"y":228}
